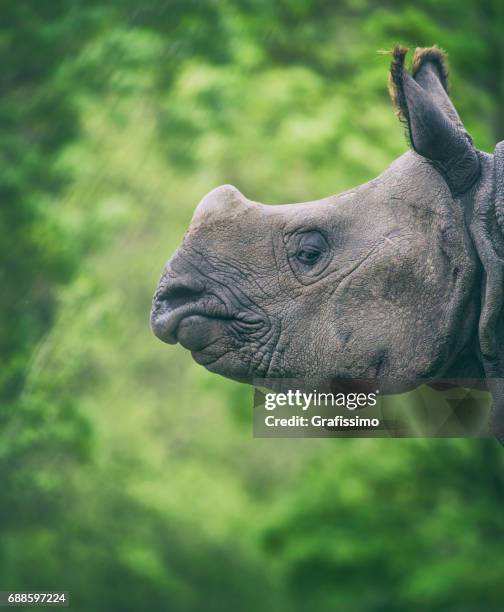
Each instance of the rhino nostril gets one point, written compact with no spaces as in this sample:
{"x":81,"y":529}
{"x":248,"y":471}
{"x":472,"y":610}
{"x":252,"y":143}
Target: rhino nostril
{"x":180,"y":291}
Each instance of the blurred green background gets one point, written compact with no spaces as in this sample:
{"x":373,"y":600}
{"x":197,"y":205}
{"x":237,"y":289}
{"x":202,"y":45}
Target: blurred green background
{"x":128,"y":474}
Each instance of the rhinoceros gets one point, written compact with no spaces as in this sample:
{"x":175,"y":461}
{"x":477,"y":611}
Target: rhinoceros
{"x":398,"y":278}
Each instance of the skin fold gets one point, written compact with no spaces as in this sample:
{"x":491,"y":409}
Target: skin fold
{"x":399,"y":278}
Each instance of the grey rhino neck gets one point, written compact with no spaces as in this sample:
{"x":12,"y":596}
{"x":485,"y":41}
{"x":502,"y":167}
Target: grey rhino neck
{"x":486,"y":227}
{"x":499,"y":185}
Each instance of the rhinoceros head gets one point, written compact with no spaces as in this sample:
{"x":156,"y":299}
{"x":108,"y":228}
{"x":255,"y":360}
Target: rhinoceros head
{"x":383,"y":280}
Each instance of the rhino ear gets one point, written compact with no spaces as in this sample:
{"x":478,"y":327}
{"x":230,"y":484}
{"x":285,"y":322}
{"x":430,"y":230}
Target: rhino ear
{"x":433,"y":126}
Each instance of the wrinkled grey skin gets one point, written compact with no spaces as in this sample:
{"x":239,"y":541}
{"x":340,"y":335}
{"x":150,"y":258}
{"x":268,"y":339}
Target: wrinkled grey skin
{"x":388,"y":280}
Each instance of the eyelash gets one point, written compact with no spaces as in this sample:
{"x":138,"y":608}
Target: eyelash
{"x":308,"y":255}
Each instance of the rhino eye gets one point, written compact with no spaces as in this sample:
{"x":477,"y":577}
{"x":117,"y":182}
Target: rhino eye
{"x":309,"y":252}
{"x":308,"y":255}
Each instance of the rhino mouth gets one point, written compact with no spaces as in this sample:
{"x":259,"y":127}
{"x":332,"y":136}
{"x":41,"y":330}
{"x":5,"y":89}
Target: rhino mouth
{"x":166,"y":322}
{"x":197,"y":326}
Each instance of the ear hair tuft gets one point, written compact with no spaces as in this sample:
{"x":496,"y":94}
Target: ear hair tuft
{"x":437,"y":57}
{"x":395,"y":83}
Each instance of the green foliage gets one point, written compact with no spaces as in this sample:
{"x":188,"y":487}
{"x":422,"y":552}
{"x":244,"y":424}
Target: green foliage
{"x":128,"y":473}
{"x":409,"y":527}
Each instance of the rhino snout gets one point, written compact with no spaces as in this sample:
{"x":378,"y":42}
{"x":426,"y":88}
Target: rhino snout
{"x":173,"y":297}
